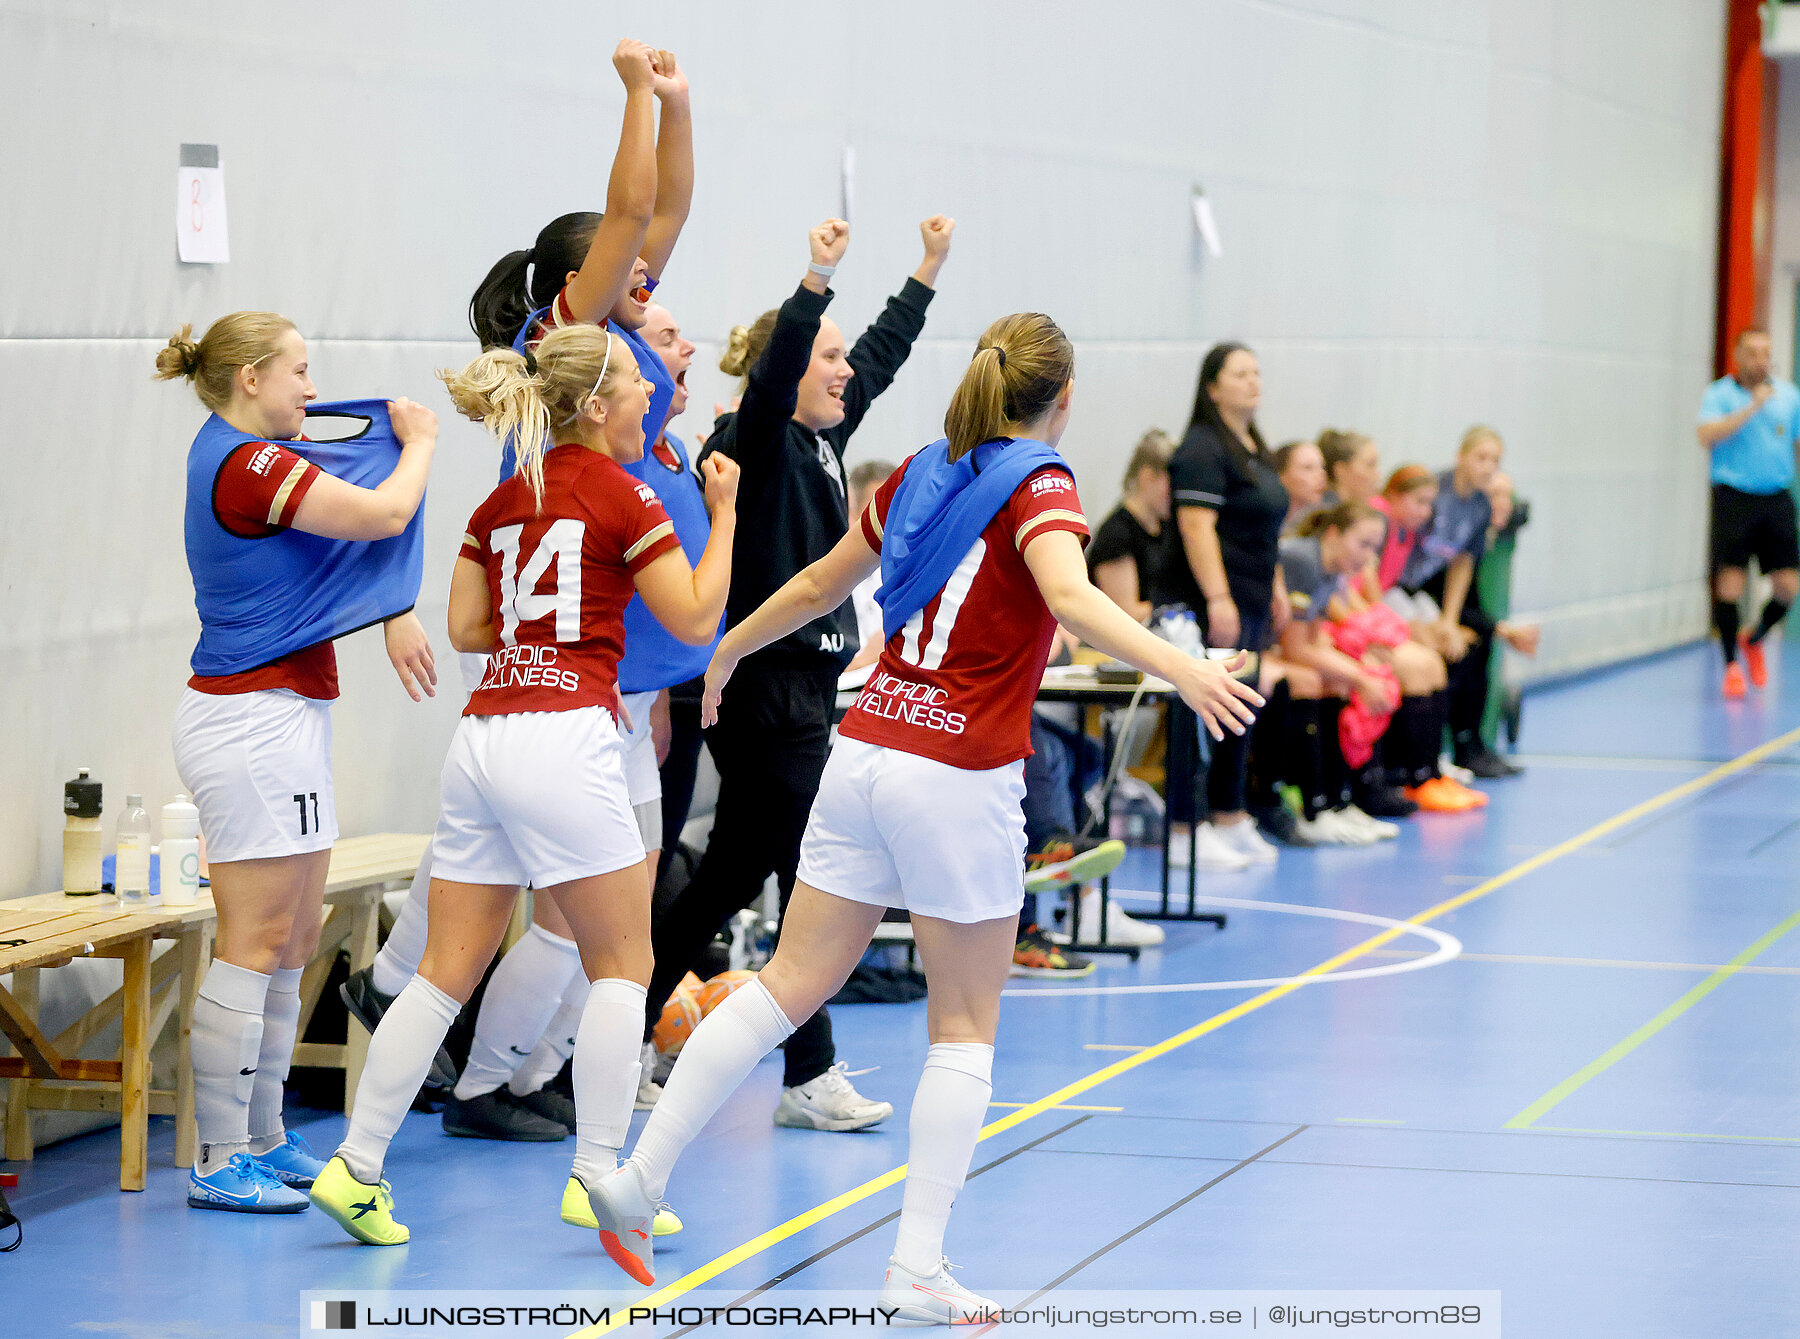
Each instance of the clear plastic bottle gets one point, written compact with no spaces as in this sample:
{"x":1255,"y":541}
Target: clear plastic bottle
{"x":131,"y":869}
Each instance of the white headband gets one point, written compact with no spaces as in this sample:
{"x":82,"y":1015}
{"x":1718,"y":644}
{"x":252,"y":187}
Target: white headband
{"x":604,"y":364}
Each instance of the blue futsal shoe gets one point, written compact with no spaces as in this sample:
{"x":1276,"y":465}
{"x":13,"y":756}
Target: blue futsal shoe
{"x":243,"y":1185}
{"x":292,"y":1162}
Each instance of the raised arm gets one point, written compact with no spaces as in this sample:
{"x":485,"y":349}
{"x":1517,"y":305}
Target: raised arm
{"x":340,"y":510}
{"x":882,"y":350}
{"x":1054,"y":558}
{"x":674,"y":165}
{"x":759,"y":429}
{"x":688,"y":601}
{"x":630,"y":194}
{"x":811,"y":593}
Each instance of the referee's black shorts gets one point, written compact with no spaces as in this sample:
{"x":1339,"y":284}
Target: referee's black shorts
{"x":1754,"y":525}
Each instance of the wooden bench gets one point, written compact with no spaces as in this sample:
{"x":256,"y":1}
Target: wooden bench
{"x":362,"y":868}
{"x":34,"y":938}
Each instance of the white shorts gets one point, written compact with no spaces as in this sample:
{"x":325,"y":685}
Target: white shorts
{"x":643,"y":779}
{"x":893,"y":829}
{"x":534,"y":797}
{"x":259,"y":768}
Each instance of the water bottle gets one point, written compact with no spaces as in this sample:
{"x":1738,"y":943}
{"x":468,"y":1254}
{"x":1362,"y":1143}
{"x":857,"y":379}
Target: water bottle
{"x":81,"y":836}
{"x":180,"y":853}
{"x":131,"y":867}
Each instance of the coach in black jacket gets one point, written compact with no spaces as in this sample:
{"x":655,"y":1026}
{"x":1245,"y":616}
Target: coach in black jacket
{"x":803,"y":398}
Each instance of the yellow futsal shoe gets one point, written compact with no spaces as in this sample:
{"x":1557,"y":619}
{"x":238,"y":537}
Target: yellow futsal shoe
{"x":577,"y":1212}
{"x":366,"y":1212}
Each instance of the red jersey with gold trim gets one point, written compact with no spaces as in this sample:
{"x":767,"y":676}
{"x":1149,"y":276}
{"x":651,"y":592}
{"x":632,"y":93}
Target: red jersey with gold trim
{"x":957,"y":682}
{"x":559,"y":580}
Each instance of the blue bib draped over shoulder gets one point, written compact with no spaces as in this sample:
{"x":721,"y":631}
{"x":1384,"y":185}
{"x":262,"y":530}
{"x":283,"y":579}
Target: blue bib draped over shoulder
{"x":939,"y":511}
{"x":261,"y":599}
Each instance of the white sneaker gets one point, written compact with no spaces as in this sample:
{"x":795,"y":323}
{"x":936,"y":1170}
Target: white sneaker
{"x":1329,"y":828}
{"x":931,"y":1299}
{"x":626,"y":1217}
{"x":1213,"y":850}
{"x":829,"y":1102}
{"x":648,"y":1088}
{"x":1380,"y":829}
{"x":1248,"y":842}
{"x":1461,"y":775}
{"x":1121,"y":929}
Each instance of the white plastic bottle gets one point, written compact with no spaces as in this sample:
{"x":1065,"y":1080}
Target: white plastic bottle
{"x":82,"y":838}
{"x":131,"y":869}
{"x":180,"y":853}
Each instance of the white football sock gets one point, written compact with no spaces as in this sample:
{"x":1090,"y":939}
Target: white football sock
{"x":947,"y":1112}
{"x":716,"y":1059}
{"x":522,"y":994}
{"x":400,"y":1055}
{"x":558,"y":1042}
{"x":404,"y":950}
{"x":226,"y":1036}
{"x":281,"y":1023}
{"x":606,"y":1073}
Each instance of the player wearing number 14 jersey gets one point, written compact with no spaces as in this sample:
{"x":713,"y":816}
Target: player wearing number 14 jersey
{"x":979,"y":541}
{"x":533,"y":790}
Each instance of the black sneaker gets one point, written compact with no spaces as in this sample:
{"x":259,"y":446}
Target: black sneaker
{"x":500,"y":1115}
{"x":1487,"y":764}
{"x":1036,"y":956}
{"x":1384,"y":801}
{"x":551,"y":1105}
{"x":367,"y":1004}
{"x":1279,"y":825}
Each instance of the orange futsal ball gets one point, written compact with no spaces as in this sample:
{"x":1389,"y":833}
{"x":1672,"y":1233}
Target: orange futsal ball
{"x":715,"y":992}
{"x":679,"y":1018}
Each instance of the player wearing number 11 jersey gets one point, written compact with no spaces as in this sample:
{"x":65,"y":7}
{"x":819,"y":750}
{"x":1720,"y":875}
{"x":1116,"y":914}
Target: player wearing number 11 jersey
{"x":533,"y":790}
{"x":979,"y":541}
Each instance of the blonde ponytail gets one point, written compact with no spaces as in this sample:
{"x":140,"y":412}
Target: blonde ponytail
{"x":744,"y":345}
{"x":497,"y":391}
{"x":526,"y":401}
{"x":1021,"y":364}
{"x":242,"y":339}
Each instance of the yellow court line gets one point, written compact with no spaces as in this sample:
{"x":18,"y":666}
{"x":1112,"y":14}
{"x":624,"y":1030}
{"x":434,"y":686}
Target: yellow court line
{"x":1638,"y":1036}
{"x":1064,"y":1107}
{"x":892,"y":1177}
{"x":1668,"y":1134}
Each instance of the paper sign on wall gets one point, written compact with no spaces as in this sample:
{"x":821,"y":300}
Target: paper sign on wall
{"x":201,"y":237}
{"x":1209,"y":227}
{"x":847,"y":181}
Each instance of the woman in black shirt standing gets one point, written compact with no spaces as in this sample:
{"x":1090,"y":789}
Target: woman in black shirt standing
{"x":804,"y":396}
{"x":1125,"y":556}
{"x":1229,"y":508}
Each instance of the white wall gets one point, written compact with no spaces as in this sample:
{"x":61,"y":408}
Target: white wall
{"x":1433,"y":214}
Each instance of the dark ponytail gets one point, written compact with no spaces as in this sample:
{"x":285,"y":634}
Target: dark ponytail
{"x":522,"y":282}
{"x":1206,"y":412}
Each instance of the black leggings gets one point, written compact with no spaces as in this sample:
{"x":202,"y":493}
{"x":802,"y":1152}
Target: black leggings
{"x":770,"y":745}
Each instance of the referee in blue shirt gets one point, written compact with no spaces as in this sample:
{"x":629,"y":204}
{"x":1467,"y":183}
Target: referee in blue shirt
{"x":1748,"y":422}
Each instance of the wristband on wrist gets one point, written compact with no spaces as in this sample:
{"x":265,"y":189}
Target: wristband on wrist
{"x":823,"y":271}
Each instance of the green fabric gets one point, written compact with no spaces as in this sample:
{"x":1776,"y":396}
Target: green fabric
{"x":1493,"y":583}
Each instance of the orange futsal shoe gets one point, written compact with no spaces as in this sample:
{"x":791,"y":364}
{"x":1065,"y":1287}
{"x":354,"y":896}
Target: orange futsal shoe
{"x":1734,"y":682}
{"x":1441,"y":795}
{"x":1755,"y":661}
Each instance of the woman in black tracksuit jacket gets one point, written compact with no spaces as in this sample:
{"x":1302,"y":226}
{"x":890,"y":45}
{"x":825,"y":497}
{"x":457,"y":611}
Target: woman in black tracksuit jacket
{"x":804,"y":397}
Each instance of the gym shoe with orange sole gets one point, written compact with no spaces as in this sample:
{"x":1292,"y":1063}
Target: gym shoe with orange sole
{"x":1734,"y":682}
{"x":1754,"y":660}
{"x":1440,"y":795}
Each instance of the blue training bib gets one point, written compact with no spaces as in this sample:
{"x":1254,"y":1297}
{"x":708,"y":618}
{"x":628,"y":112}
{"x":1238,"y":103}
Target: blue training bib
{"x":261,"y":599}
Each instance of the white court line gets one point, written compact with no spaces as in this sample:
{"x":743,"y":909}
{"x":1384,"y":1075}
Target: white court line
{"x":1448,"y":947}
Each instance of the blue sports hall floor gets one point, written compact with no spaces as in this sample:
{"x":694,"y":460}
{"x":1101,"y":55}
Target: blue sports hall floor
{"x":1574,"y":1081}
